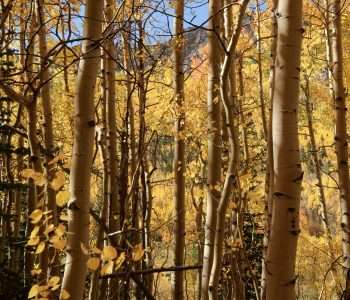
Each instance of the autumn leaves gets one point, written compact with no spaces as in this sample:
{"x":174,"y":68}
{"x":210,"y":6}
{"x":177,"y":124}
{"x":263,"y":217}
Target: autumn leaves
{"x":109,"y":258}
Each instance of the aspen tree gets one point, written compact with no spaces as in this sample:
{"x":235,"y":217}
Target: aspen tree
{"x":229,"y":99}
{"x":341,"y":144}
{"x":111,"y":124}
{"x":45,"y":84}
{"x":288,"y":175}
{"x":214,"y":142}
{"x":46,"y":103}
{"x":269,"y":183}
{"x":79,"y":204}
{"x":179,"y":165}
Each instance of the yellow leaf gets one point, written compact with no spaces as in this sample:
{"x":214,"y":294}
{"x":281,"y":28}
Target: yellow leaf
{"x":64,"y":217}
{"x":34,"y":232}
{"x":119,"y":261}
{"x":39,"y":179}
{"x":255,"y":194}
{"x":40,"y":248}
{"x":55,"y":287}
{"x":33,"y":241}
{"x":95,"y":250}
{"x":60,"y":230}
{"x":138,"y":252}
{"x":58,"y":243}
{"x":107,"y":268}
{"x":62,"y":198}
{"x":44,"y":292}
{"x":93,"y":263}
{"x":64,"y":295}
{"x":56,"y":159}
{"x":27,"y":173}
{"x":109,"y":253}
{"x":49,"y":229}
{"x":58,"y":181}
{"x":34,"y":291}
{"x":36,"y":216}
{"x":53,"y":281}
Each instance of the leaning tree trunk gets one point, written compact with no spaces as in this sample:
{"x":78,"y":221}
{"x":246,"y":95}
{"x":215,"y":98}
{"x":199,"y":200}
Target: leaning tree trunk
{"x":287,"y":168}
{"x":341,"y":143}
{"x":214,"y":141}
{"x":229,"y":99}
{"x":84,"y":128}
{"x":179,"y":155}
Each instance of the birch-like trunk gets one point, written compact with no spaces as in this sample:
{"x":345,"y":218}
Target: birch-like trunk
{"x":269,"y":180}
{"x":230,"y":105}
{"x":83,"y":142}
{"x":341,"y":143}
{"x":214,"y":142}
{"x":288,"y":175}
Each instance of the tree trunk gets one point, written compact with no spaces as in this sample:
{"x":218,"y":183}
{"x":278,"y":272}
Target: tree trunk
{"x":179,"y":165}
{"x":214,"y":142}
{"x":287,"y":168}
{"x":84,"y":127}
{"x":269,"y":180}
{"x":114,"y":207}
{"x":341,"y":143}
{"x":229,"y":99}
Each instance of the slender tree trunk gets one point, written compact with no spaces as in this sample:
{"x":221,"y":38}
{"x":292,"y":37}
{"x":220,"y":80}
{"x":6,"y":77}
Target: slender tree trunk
{"x":179,"y":164}
{"x":269,"y":180}
{"x":329,"y":54}
{"x":229,"y":99}
{"x":214,"y":142}
{"x":322,"y":197}
{"x":341,"y":143}
{"x":50,"y":194}
{"x":287,"y":168}
{"x":111,"y":56}
{"x":314,"y":153}
{"x":148,"y":238}
{"x":98,"y":287}
{"x":84,"y":128}
{"x":260,"y":72}
{"x":241,"y":112}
